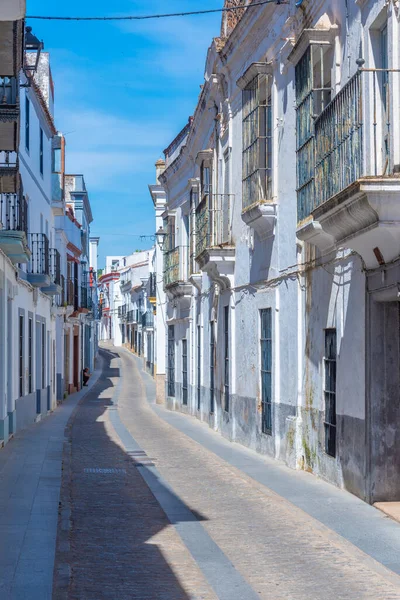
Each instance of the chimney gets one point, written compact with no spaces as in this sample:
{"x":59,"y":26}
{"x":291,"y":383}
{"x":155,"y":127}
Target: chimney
{"x":160,"y":168}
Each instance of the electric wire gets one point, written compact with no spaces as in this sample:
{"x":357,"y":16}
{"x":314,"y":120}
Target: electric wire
{"x":159,"y":16}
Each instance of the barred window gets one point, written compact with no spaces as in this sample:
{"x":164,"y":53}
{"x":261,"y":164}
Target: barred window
{"x":257,"y":140}
{"x":330,"y":391}
{"x":266,"y":370}
{"x":313,"y":93}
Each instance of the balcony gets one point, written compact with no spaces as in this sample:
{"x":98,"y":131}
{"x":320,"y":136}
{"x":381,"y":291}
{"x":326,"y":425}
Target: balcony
{"x":9,"y":172}
{"x":148,"y":320}
{"x":57,"y":195}
{"x":61,"y":300}
{"x":39,"y":265}
{"x":153,"y":288}
{"x":54,"y":289}
{"x":14,"y":227}
{"x":215,"y":251}
{"x":354,"y":201}
{"x":132,"y":316}
{"x":72,"y":293}
{"x":9,"y":114}
{"x":176,"y":282}
{"x":85,"y":299}
{"x":125,"y":283}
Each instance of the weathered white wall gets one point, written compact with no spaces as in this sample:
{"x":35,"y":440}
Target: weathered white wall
{"x":307,"y":291}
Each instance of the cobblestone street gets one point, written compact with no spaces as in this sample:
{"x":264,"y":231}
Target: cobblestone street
{"x":147,"y":512}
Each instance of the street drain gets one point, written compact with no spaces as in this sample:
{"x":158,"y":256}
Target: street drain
{"x":111,"y":471}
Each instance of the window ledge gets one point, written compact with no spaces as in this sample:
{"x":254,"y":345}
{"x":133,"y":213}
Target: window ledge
{"x":261,"y":217}
{"x":320,"y":37}
{"x":256,"y":68}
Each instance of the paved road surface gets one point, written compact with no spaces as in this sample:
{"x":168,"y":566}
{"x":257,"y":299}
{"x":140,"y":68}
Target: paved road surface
{"x":154,"y":506}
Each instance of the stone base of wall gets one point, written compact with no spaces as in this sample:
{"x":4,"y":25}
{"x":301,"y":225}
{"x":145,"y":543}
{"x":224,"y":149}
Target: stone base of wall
{"x":160,"y":389}
{"x":4,"y":431}
{"x":25,"y":408}
{"x":60,"y":387}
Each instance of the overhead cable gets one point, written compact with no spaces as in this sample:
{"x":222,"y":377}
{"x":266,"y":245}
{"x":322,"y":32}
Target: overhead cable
{"x":159,"y":16}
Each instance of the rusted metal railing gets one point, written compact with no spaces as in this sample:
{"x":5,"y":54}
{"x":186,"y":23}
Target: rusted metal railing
{"x":353,"y":137}
{"x":213,"y":222}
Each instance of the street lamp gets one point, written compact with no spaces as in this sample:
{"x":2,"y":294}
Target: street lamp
{"x":161,"y":235}
{"x":32,"y":44}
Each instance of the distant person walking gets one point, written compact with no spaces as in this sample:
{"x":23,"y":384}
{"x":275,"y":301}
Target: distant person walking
{"x":86,"y":376}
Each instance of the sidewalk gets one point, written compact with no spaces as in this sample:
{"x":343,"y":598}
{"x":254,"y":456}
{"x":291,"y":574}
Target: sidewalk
{"x":30,"y":476}
{"x":363,"y":525}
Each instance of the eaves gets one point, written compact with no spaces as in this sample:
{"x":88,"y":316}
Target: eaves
{"x":43,"y":105}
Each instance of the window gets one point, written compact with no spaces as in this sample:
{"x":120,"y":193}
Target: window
{"x":384,"y":84}
{"x":170,"y":226}
{"x":41,"y":150}
{"x":226,"y":357}
{"x":194,"y":199}
{"x":57,"y":160}
{"x":171,"y":361}
{"x":30,"y":358}
{"x":313,"y":93}
{"x":205,"y":181}
{"x":21,"y":355}
{"x":257,"y":140}
{"x":43,"y":356}
{"x":212,"y":366}
{"x":330,"y":391}
{"x":184,"y":373}
{"x":27,"y":121}
{"x":266,"y":370}
{"x":198,"y":367}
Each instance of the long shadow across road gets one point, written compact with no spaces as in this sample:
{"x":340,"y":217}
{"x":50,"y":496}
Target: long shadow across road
{"x":111,"y":527}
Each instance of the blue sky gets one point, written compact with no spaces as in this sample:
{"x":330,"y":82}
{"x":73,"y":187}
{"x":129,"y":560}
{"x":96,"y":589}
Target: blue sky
{"x":123,"y":90}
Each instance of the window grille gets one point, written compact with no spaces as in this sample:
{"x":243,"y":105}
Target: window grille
{"x":257,"y":140}
{"x":171,"y":361}
{"x":226,"y":357}
{"x":330,"y":391}
{"x":27,"y":122}
{"x":41,"y":150}
{"x":198,"y":367}
{"x":266,"y":370}
{"x":194,"y":199}
{"x":184,"y":373}
{"x":30,"y":355}
{"x":313,"y":93}
{"x":212,"y":366}
{"x":43,"y":356}
{"x":21,"y":355}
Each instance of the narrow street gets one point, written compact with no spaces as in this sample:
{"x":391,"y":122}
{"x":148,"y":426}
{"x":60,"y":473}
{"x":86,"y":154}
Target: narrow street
{"x":149,"y":512}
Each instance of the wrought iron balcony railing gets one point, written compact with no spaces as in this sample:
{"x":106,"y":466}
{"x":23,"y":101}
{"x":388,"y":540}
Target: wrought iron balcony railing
{"x":40,"y":254}
{"x":148,"y":319}
{"x":213,"y":222}
{"x":8,"y":94}
{"x":171,"y":266}
{"x":152,"y":285}
{"x":55,"y":266}
{"x":62,"y":297}
{"x":354,"y":137}
{"x":72,"y":293}
{"x":13,"y":212}
{"x":85,"y":298}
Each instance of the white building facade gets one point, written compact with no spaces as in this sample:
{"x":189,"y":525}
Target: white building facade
{"x":281,"y":246}
{"x":34,"y":235}
{"x":127,"y":300}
